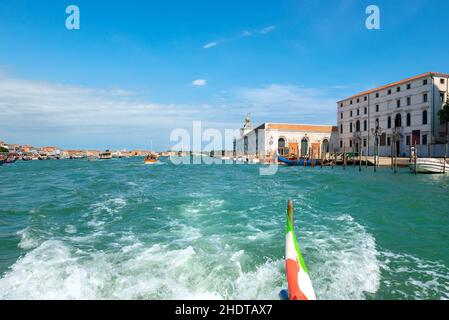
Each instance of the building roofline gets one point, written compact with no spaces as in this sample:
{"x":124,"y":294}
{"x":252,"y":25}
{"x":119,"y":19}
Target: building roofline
{"x":393,"y":84}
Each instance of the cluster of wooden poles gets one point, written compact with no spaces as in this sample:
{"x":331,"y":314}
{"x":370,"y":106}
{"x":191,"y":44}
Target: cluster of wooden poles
{"x":393,"y":156}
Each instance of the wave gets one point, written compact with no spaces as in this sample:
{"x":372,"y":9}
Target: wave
{"x":55,"y":270}
{"x":342,"y":259}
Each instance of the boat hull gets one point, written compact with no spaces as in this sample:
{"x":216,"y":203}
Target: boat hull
{"x":299,"y":162}
{"x":431,"y":166}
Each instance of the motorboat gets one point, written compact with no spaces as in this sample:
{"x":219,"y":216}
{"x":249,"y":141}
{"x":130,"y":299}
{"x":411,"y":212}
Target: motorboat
{"x":429,"y":165}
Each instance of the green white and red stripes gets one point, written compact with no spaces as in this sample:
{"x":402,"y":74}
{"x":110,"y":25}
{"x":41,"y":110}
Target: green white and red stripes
{"x":299,"y":283}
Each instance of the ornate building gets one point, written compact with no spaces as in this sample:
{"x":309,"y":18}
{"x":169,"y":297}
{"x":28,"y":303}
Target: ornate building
{"x":298,"y":140}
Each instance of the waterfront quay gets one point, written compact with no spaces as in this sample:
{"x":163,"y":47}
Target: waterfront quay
{"x":390,"y":125}
{"x":27,"y":152}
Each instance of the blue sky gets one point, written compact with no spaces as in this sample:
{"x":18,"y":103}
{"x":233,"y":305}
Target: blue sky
{"x":127,"y":76}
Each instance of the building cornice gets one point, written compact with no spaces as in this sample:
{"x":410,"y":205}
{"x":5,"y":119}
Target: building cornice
{"x":390,"y":85}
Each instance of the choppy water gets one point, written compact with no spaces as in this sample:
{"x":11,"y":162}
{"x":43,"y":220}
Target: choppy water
{"x":121,"y":230}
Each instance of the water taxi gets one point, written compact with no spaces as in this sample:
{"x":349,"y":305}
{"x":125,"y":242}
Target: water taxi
{"x":151,"y":159}
{"x":105,"y":155}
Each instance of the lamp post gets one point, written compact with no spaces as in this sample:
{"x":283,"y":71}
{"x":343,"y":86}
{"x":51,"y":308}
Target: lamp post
{"x":377,"y":132}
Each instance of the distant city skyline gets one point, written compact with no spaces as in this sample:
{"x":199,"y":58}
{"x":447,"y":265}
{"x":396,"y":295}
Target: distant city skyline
{"x":137,"y":70}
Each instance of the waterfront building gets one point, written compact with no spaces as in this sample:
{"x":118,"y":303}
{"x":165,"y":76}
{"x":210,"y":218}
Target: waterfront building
{"x":48,"y":150}
{"x":403,"y":113}
{"x":73,"y":153}
{"x":26,"y":149}
{"x":286,"y":139}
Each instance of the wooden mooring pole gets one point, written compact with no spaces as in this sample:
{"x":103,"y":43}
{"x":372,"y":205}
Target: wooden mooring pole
{"x":332,"y":157}
{"x":445,"y":158}
{"x":360,"y":160}
{"x":395,"y":158}
{"x":322,"y":156}
{"x":415,"y":160}
{"x":353,"y":154}
{"x":375,"y":158}
{"x":344,"y":156}
{"x":366,"y":157}
{"x":392,"y":155}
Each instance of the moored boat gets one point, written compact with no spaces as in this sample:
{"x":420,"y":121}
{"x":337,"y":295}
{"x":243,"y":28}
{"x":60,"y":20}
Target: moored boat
{"x":297,"y":162}
{"x":429,"y":165}
{"x":9,"y":159}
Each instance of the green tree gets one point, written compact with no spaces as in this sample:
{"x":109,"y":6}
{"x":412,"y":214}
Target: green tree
{"x":444,"y":117}
{"x":2,"y":149}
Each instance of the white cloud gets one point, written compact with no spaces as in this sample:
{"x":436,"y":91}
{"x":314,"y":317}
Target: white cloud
{"x":70,"y":116}
{"x":199,"y":82}
{"x":243,"y":34}
{"x":73,"y":116}
{"x":267,"y":30}
{"x":289,"y":103}
{"x":210,"y":45}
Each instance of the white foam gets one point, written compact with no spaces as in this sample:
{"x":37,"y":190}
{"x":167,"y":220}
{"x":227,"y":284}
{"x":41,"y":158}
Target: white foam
{"x":70,"y":229}
{"x":27,"y":241}
{"x":342,"y":259}
{"x":54,"y":270}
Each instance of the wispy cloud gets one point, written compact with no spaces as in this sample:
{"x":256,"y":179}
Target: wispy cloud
{"x":243,"y":34}
{"x":267,"y":30}
{"x":199,"y":82}
{"x":210,"y":45}
{"x":289,"y":103}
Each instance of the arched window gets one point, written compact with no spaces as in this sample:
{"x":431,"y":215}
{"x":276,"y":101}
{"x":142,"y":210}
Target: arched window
{"x":357,"y":126}
{"x":341,"y":128}
{"x":304,"y":147}
{"x":389,"y":122}
{"x":424,"y":117}
{"x":325,"y":146}
{"x":377,"y":123}
{"x":350,"y":127}
{"x":282,"y":150}
{"x":409,"y":120}
{"x":398,"y":121}
{"x":365,"y":127}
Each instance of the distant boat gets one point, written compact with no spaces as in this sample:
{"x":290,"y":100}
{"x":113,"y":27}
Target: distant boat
{"x":151,"y":159}
{"x":296,"y":162}
{"x":27,"y":158}
{"x":429,"y":165}
{"x":106,"y":155}
{"x":10,"y":159}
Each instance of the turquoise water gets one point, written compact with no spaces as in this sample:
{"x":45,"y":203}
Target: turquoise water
{"x":121,"y":230}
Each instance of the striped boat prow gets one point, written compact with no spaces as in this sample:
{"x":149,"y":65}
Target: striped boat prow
{"x":299,"y":283}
